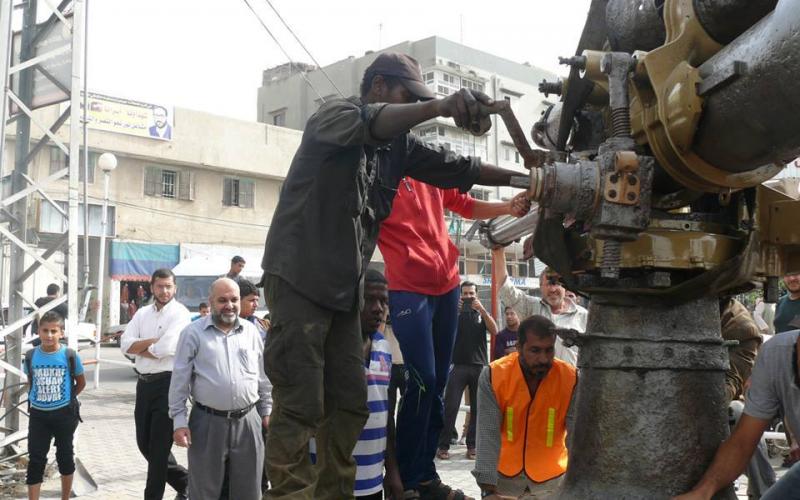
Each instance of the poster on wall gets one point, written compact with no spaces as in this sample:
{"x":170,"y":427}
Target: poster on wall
{"x":127,"y":116}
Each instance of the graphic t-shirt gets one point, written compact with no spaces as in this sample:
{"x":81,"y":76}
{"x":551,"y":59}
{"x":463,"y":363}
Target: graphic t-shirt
{"x":504,"y":340}
{"x":51,"y":383}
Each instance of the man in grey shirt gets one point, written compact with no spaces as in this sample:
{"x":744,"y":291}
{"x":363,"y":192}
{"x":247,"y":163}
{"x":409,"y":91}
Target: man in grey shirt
{"x":774,"y":390}
{"x":219,"y":363}
{"x":554,"y":304}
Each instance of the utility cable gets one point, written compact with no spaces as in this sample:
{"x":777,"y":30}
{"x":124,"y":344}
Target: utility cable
{"x":319,"y":66}
{"x":302,"y":73}
{"x":197,"y":218}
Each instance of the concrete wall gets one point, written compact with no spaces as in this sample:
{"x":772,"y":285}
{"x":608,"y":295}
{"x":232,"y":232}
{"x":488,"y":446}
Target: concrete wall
{"x":211,"y":147}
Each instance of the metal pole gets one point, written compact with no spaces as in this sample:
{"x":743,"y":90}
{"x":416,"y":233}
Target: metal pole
{"x":495,"y":307}
{"x":5,"y":63}
{"x":85,"y":130}
{"x":20,"y":208}
{"x":74,"y":146}
{"x":101,"y":279}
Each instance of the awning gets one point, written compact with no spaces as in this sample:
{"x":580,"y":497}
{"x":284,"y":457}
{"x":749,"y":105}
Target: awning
{"x":133,"y":261}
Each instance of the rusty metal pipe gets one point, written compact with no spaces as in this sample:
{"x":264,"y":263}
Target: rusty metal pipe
{"x":505,"y":229}
{"x":724,"y":20}
{"x":750,"y":117}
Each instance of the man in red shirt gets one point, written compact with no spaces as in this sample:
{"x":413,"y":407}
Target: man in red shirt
{"x":422,"y":271}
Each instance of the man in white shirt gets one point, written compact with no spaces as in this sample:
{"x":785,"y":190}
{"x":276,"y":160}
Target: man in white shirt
{"x":152,"y":337}
{"x":554,"y":305}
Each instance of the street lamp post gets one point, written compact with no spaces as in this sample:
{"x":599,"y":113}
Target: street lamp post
{"x":107,"y":163}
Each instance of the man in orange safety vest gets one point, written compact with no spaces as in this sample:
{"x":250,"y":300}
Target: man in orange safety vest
{"x":523,"y":399}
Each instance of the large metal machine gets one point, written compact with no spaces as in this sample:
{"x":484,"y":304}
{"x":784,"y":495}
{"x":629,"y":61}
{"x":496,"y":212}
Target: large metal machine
{"x":651,"y":201}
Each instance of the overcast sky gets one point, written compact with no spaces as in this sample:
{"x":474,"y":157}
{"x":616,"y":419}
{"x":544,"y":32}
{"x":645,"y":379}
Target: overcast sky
{"x":209,"y":54}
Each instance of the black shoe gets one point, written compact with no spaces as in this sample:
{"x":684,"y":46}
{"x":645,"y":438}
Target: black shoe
{"x":182,"y":496}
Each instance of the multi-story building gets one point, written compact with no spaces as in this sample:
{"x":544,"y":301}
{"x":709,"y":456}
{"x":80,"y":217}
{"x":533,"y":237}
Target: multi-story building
{"x":286,"y":99}
{"x":209,"y":192}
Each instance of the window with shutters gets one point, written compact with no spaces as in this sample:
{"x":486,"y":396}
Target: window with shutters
{"x":168,"y":183}
{"x":59,"y":160}
{"x":52,"y":220}
{"x":168,"y":178}
{"x":238,"y":192}
{"x":92,"y":163}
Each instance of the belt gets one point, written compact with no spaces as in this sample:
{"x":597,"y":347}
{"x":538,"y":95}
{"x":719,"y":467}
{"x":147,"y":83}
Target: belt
{"x":152,"y":377}
{"x":230,"y":414}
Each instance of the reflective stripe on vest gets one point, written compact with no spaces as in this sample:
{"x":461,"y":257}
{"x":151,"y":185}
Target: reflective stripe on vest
{"x":510,"y":423}
{"x":533,"y":433}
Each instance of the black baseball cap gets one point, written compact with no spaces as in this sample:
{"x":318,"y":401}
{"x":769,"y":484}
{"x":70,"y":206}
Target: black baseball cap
{"x":404,"y":67}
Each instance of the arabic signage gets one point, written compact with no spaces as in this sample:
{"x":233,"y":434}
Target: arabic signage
{"x":126,"y":116}
{"x":486,"y":280}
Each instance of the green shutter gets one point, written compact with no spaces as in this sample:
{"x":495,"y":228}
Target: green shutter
{"x":152,"y":181}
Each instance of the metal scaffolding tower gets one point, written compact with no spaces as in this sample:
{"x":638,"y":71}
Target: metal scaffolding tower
{"x":41,"y":65}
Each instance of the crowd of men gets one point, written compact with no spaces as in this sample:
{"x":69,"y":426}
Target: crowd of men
{"x":303,"y":406}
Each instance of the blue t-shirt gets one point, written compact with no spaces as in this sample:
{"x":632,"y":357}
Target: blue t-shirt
{"x":51,"y":383}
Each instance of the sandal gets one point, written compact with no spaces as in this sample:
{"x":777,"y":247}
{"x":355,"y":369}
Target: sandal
{"x":471,"y":454}
{"x":437,"y":490}
{"x":442,"y":454}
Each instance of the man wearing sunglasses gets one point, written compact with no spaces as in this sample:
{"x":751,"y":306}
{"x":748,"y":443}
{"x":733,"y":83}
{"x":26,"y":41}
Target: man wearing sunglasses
{"x":553,"y":305}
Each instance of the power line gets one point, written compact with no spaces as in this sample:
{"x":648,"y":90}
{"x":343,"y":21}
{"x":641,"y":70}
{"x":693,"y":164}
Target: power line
{"x":302,"y":73}
{"x":319,"y":66}
{"x":197,"y":218}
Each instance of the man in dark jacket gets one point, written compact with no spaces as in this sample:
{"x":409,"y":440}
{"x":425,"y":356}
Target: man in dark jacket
{"x":339,"y":188}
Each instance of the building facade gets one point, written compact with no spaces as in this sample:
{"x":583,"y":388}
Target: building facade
{"x":208,"y":192}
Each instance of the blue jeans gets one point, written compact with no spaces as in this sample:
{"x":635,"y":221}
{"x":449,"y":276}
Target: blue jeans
{"x":425,"y":327}
{"x":787,"y":487}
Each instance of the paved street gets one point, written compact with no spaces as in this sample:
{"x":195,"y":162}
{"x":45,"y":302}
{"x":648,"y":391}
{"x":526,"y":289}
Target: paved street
{"x":106,"y":443}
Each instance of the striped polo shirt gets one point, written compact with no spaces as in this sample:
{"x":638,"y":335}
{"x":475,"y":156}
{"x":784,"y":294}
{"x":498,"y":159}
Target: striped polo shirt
{"x":371,"y":446}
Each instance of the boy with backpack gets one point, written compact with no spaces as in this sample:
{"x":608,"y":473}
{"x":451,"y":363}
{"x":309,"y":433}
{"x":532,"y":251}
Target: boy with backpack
{"x":55,"y":378}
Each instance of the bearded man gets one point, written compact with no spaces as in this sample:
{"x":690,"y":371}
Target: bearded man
{"x":554,"y":304}
{"x":524,"y":399}
{"x":219,"y":363}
